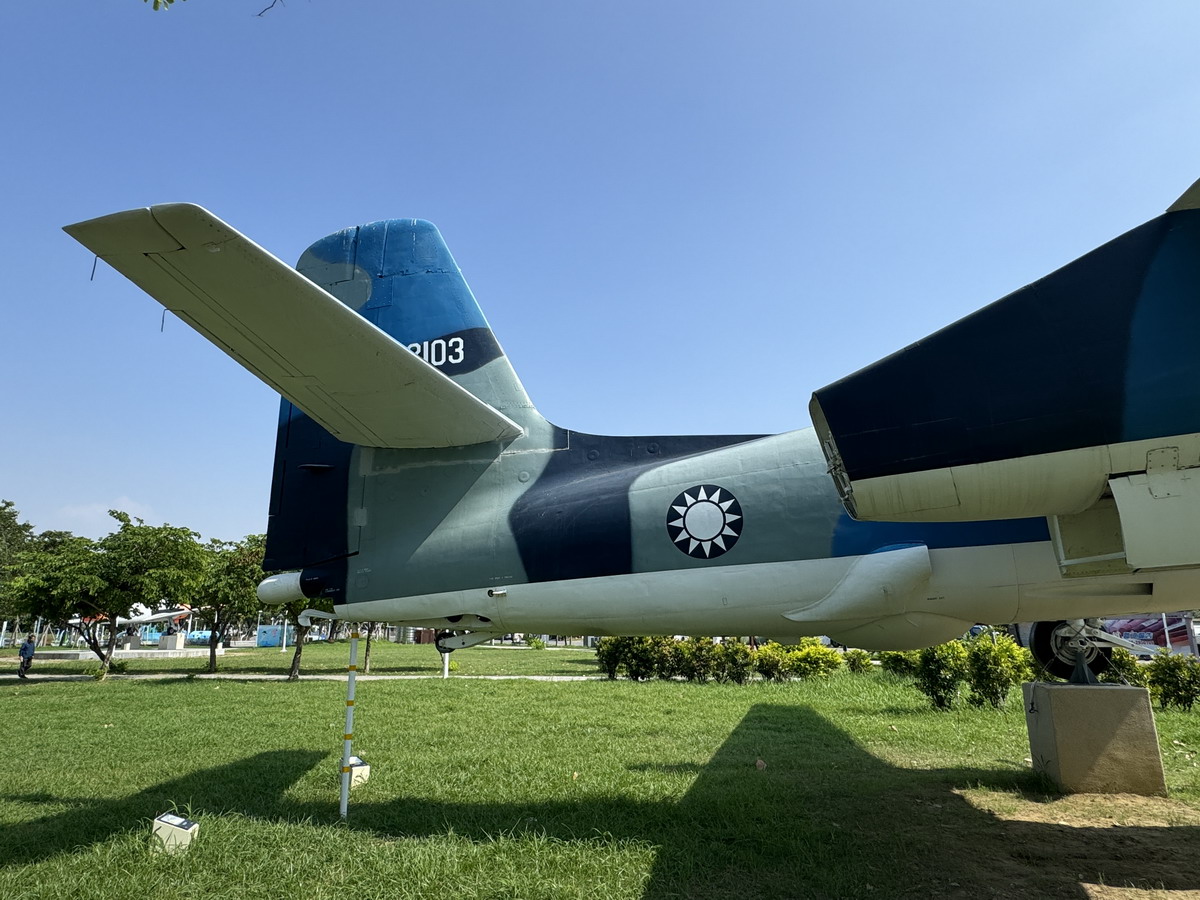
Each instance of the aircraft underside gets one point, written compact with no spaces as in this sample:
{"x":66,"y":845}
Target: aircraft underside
{"x":899,"y":599}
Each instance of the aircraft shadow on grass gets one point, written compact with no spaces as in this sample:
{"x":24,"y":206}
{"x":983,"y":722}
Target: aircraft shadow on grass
{"x":743,"y":832}
{"x":261,"y":780}
{"x":739,"y":831}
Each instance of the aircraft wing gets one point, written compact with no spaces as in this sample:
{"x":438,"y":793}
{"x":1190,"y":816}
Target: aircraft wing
{"x":147,"y":618}
{"x":357,"y":382}
{"x":1079,"y":389}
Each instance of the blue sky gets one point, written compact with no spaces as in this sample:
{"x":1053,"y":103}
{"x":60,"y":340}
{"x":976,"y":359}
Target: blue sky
{"x":678,"y":217}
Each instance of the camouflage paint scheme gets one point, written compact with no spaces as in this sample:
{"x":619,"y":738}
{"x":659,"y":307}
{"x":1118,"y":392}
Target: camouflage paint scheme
{"x":572,"y":526}
{"x":1034,"y":461}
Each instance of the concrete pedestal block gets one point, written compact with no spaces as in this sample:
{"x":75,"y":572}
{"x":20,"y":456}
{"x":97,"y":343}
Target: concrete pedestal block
{"x":1094,"y":738}
{"x":129,"y":642}
{"x":171,"y":641}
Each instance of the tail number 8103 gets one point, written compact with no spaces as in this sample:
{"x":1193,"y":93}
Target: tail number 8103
{"x":439,"y":352}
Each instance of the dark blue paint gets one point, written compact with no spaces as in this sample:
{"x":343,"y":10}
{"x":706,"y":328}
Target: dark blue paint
{"x":574,"y":521}
{"x":306,"y":524}
{"x":1161,"y":370}
{"x":1101,"y":351}
{"x":853,"y":538}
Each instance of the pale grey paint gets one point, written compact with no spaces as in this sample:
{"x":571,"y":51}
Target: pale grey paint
{"x":789,"y":506}
{"x":426,"y":513}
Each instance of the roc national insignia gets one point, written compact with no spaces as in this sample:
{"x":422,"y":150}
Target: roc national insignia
{"x":705,"y":521}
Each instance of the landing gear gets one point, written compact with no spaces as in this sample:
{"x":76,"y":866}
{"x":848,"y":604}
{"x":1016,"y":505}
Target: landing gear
{"x":1055,"y":644}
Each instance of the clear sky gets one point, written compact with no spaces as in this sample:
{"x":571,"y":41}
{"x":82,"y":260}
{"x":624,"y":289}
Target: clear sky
{"x":678,"y":217}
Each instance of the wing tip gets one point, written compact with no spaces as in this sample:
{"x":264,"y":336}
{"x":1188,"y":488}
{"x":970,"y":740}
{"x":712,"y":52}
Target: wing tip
{"x":1189,"y":199}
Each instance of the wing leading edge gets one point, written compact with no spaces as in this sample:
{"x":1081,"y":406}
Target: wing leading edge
{"x":357,"y":382}
{"x":1076,"y":398}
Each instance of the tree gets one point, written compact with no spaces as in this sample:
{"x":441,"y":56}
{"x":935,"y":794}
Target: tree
{"x":18,"y":592}
{"x":15,"y":536}
{"x":64,"y":577}
{"x":228,"y":593}
{"x":292,"y":612}
{"x":370,"y":632}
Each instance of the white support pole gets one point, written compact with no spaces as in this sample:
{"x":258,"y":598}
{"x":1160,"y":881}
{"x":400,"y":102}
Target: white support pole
{"x":283,"y":639}
{"x":1167,"y":633}
{"x":445,"y":665}
{"x":3,"y":632}
{"x":348,"y":737}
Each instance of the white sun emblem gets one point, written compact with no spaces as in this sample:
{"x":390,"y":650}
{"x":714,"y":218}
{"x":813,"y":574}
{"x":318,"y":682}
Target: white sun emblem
{"x":705,"y":521}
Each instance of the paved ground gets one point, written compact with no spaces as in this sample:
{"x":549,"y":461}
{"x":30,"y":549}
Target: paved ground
{"x":262,"y":676}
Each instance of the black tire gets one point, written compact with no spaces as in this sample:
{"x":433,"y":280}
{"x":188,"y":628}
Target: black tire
{"x":1056,"y":659}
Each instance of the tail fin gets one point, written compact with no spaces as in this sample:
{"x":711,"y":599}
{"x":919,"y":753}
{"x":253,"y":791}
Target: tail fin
{"x":400,"y":276}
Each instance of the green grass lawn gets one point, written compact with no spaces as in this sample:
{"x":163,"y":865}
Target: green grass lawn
{"x":322,"y":658}
{"x":523,"y":789}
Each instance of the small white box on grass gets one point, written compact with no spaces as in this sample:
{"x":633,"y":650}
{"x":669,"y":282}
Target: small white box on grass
{"x":172,"y":833}
{"x":359,"y":772}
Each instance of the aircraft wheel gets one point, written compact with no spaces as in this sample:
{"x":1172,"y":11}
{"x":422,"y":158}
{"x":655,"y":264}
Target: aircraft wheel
{"x":1053,"y":645}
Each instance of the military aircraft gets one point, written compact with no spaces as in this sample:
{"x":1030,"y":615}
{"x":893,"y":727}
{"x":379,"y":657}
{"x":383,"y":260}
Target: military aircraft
{"x":1035,"y":461}
{"x":144,"y":617}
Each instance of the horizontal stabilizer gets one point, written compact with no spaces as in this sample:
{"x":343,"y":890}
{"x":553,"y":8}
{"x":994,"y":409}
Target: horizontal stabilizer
{"x":357,"y":382}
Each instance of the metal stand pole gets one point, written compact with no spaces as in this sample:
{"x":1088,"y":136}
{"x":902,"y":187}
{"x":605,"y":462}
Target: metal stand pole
{"x":445,"y":665}
{"x":348,"y":737}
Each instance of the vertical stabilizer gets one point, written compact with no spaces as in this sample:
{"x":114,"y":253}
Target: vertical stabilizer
{"x":400,"y":276}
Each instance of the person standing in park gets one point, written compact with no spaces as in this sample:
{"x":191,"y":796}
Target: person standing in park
{"x":26,"y":656}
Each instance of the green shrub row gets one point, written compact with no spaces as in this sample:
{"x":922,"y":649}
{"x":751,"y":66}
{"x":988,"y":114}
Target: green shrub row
{"x":729,"y":660}
{"x":1174,"y":680}
{"x":986,"y":668}
{"x":982,"y":669}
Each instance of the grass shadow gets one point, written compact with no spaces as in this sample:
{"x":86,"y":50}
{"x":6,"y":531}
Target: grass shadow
{"x":821,"y":818}
{"x":260,"y":781}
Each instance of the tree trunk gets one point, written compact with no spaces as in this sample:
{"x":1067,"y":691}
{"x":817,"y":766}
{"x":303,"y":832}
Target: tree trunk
{"x":214,"y":635}
{"x":106,"y":659}
{"x":87,"y":631}
{"x":367,"y":653}
{"x":301,"y":634}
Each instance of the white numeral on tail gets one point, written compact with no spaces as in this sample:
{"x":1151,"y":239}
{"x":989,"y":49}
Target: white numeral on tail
{"x":441,"y":351}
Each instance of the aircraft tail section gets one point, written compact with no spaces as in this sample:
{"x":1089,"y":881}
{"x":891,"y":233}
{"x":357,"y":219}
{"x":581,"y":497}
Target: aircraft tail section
{"x":400,"y":276}
{"x":405,"y":361}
